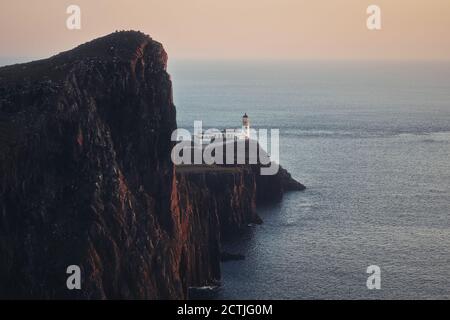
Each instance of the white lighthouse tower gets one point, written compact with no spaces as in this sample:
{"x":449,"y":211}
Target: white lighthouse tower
{"x":246,"y":126}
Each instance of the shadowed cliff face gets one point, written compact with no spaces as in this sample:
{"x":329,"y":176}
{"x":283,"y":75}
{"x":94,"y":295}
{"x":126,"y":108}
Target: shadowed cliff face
{"x":271,"y":188}
{"x":227,"y":193}
{"x":86,"y":175}
{"x":86,"y":179}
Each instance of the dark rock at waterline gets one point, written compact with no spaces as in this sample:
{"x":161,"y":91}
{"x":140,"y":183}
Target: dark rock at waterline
{"x":226,"y":256}
{"x":287,"y":182}
{"x":271,"y":188}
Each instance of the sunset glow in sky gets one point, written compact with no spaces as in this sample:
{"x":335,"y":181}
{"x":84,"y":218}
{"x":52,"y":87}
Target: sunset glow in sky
{"x":237,"y":29}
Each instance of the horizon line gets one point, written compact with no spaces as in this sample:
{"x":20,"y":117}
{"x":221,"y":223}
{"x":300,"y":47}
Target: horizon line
{"x":11,"y":60}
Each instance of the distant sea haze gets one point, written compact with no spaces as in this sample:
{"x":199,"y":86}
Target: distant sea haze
{"x":371,"y":141}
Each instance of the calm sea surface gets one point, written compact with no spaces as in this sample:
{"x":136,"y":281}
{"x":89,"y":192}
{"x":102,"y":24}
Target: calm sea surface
{"x":372,"y":144}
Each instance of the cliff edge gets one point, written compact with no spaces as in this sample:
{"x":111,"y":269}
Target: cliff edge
{"x":86,"y":175}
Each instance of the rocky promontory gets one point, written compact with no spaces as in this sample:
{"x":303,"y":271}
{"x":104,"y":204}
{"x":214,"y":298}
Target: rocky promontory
{"x":86,"y":179}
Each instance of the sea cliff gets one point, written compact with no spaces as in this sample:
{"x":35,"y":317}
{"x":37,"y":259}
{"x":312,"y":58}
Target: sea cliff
{"x":87,"y":179}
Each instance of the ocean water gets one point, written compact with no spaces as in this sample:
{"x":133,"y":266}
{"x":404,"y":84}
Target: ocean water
{"x":371,"y":141}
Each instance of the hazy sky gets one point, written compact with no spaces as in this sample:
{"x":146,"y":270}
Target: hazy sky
{"x":237,"y":29}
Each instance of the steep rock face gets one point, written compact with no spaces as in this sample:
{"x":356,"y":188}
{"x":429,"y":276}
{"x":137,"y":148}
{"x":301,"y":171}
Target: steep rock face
{"x":271,"y":188}
{"x":86,"y":179}
{"x":252,"y":157}
{"x":86,"y":176}
{"x":223,"y":192}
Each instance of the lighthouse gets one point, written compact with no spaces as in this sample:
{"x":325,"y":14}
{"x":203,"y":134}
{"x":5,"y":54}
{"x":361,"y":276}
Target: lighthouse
{"x":246,"y":126}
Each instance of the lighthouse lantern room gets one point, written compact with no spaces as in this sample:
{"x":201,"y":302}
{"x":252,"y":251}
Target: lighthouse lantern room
{"x":246,"y":126}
